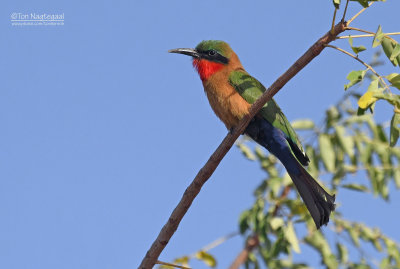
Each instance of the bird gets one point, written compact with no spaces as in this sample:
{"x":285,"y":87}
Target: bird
{"x":231,"y":91}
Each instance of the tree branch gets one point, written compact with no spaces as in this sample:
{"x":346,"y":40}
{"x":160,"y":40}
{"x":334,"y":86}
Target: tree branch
{"x":252,"y":242}
{"x":283,"y":196}
{"x":207,"y":170}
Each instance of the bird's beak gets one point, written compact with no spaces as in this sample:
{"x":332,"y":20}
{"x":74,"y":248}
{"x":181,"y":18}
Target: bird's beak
{"x":190,"y":52}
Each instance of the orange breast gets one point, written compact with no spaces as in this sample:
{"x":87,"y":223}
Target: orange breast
{"x":227,"y":104}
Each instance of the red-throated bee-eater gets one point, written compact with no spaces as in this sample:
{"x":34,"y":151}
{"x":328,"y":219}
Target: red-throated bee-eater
{"x":231,"y":91}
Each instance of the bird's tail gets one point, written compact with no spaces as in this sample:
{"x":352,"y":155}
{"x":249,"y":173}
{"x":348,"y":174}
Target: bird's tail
{"x":319,"y":203}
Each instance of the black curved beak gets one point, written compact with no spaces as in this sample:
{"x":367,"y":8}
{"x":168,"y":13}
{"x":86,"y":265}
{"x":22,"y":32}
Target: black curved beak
{"x":190,"y":52}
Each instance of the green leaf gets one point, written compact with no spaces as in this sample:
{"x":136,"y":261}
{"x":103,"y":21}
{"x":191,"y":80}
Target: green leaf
{"x":365,"y":3}
{"x":356,"y":49}
{"x":247,"y":152}
{"x":395,"y":52}
{"x":280,"y":245}
{"x":261,"y":188}
{"x":394,"y":78}
{"x":333,"y":115}
{"x":355,"y":77}
{"x":392,"y":249}
{"x":207,"y":258}
{"x":361,"y":111}
{"x":327,"y":152}
{"x":259,"y":152}
{"x":368,"y":98}
{"x":305,"y":124}
{"x":372,"y":236}
{"x":346,"y":142}
{"x":313,"y":168}
{"x":319,"y":243}
{"x":253,"y":259}
{"x":376,"y":176}
{"x":394,"y":129}
{"x":393,"y":99}
{"x":342,"y":253}
{"x":350,"y":41}
{"x":384,"y":191}
{"x":182,"y":260}
{"x":287,"y":264}
{"x":378,"y":37}
{"x":276,"y":222}
{"x":385,"y":263}
{"x":354,"y":235}
{"x":381,"y":133}
{"x":388,"y":47}
{"x":244,"y":221}
{"x":336,"y":3}
{"x":275,"y":185}
{"x":290,"y":235}
{"x":356,"y":187}
{"x":396,"y":176}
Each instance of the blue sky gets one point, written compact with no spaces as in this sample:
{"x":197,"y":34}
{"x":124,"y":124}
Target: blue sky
{"x":102,"y":129}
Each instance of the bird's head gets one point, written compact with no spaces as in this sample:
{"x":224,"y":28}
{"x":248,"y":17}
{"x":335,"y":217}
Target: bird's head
{"x":209,"y":57}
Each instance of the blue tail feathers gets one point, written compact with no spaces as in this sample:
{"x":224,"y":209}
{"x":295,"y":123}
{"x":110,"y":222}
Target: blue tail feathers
{"x":319,"y":203}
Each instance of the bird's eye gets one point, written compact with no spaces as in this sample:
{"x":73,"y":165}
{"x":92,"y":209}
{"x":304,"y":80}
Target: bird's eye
{"x":212,"y":52}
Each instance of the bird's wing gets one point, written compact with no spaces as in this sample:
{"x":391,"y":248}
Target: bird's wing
{"x":251,"y":89}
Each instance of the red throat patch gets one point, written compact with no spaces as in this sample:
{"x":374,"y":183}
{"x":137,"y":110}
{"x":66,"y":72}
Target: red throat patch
{"x":206,"y":68}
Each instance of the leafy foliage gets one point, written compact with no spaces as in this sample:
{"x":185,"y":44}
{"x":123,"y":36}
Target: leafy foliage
{"x":378,"y":88}
{"x":347,"y":144}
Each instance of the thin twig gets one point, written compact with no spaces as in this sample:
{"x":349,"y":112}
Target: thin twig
{"x":369,"y":32}
{"x":216,"y":242}
{"x":358,"y":14}
{"x":345,"y":10}
{"x":208,"y":169}
{"x":364,"y":63}
{"x":283,"y":196}
{"x":358,"y":29}
{"x":366,"y":35}
{"x":333,"y":21}
{"x":173,"y":265}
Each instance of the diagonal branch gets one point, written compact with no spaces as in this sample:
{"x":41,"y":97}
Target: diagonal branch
{"x":207,"y":170}
{"x":251,"y":243}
